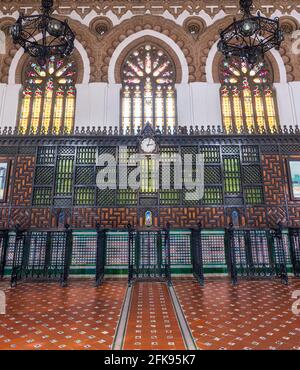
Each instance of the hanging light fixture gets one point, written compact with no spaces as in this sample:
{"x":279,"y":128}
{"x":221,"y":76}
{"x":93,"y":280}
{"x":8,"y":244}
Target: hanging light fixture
{"x":57,"y":37}
{"x":251,"y":37}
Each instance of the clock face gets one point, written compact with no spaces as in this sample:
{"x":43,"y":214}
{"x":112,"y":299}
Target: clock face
{"x":148,"y":145}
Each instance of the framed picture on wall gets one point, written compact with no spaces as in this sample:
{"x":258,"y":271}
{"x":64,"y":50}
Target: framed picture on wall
{"x":4,"y":174}
{"x":294,"y":178}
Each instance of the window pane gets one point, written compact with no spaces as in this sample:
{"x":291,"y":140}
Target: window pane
{"x":137,"y":108}
{"x":170,"y":108}
{"x":126,"y":109}
{"x":36,"y":111}
{"x":149,"y":81}
{"x":50,"y":107}
{"x":58,"y":111}
{"x":159,"y":108}
{"x":148,"y":103}
{"x":69,"y":110}
{"x":25,"y":110}
{"x":272,"y":121}
{"x":259,"y":106}
{"x":248,"y":108}
{"x":47,"y":111}
{"x":226,"y":109}
{"x":247,"y":89}
{"x":238,"y":113}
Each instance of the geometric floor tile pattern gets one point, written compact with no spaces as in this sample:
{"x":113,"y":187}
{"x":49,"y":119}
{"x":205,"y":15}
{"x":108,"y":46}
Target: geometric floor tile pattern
{"x":46,"y":316}
{"x":252,"y":315}
{"x":152,"y":322}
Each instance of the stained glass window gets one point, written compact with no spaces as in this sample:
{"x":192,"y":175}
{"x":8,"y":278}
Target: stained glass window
{"x":148,"y":94}
{"x":247,"y":97}
{"x":48,"y":98}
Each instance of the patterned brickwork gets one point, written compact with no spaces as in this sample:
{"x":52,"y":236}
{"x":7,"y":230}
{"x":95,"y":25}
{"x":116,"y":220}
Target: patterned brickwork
{"x":273,"y":180}
{"x":40,"y":218}
{"x":118,"y":217}
{"x":85,"y":217}
{"x":276,"y":214}
{"x":256,"y":217}
{"x":24,"y":175}
{"x":294,"y":215}
{"x":4,"y":218}
{"x":20,"y":216}
{"x":189,"y":217}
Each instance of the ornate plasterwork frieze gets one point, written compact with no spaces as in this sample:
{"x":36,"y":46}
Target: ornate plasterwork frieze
{"x":155,"y":7}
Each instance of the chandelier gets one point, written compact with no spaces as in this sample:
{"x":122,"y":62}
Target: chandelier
{"x":251,"y":37}
{"x":56,"y":38}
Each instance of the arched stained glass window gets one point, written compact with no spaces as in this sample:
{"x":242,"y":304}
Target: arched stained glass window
{"x":48,"y":98}
{"x":247,"y":97}
{"x":148,"y":94}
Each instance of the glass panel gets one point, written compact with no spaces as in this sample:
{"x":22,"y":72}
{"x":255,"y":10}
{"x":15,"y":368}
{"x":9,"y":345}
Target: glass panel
{"x":232,"y":175}
{"x":245,"y":85}
{"x":248,"y":106}
{"x":36,"y":111}
{"x":48,"y":84}
{"x":148,"y":103}
{"x":270,"y":105}
{"x":69,"y":110}
{"x":259,"y":107}
{"x":149,"y":79}
{"x":126,"y":109}
{"x":137,"y":108}
{"x":58,"y":111}
{"x":159,"y":108}
{"x":47,"y":106}
{"x":170,"y":108}
{"x":237,"y":107}
{"x":25,"y":110}
{"x":226,"y":109}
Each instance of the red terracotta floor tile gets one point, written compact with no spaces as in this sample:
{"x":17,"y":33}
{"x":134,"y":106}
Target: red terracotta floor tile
{"x":152,"y":322}
{"x":252,"y":315}
{"x":46,"y":316}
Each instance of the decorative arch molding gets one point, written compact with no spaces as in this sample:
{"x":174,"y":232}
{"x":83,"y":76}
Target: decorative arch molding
{"x":10,"y":48}
{"x":157,"y":27}
{"x":273,"y":57}
{"x":287,"y":51}
{"x":21,"y":59}
{"x":151,"y":37}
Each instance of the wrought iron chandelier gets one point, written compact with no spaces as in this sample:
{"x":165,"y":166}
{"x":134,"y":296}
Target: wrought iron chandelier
{"x":251,"y":37}
{"x":57,"y":37}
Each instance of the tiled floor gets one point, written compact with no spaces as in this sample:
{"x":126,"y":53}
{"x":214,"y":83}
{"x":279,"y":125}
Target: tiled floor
{"x":252,"y":315}
{"x":152,"y":322}
{"x":46,"y":316}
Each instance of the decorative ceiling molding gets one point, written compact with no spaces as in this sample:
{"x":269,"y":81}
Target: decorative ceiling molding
{"x":154,"y":7}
